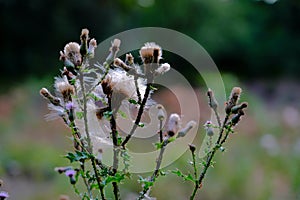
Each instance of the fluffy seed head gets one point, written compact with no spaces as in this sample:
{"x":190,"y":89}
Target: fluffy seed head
{"x":150,"y":52}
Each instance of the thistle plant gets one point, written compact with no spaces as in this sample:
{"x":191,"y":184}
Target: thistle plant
{"x":89,"y":99}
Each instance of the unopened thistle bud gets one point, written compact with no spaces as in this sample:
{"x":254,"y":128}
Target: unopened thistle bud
{"x":192,"y":148}
{"x":237,"y":117}
{"x":150,"y":53}
{"x":173,"y":124}
{"x":161,"y":114}
{"x":233,"y":99}
{"x":186,"y":129}
{"x":209,"y":129}
{"x":84,"y":37}
{"x":115,"y":47}
{"x":237,"y":108}
{"x":92,"y":47}
{"x":212,"y":102}
{"x":162,"y":69}
{"x":47,"y":95}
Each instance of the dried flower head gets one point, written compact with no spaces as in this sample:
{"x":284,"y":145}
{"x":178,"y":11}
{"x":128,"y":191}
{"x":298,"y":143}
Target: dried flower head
{"x":64,"y":88}
{"x":129,"y":59}
{"x":72,"y":53}
{"x":150,"y":53}
{"x":47,"y":95}
{"x":119,"y":63}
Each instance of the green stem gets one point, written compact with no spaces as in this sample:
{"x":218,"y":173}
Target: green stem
{"x":98,"y":179}
{"x":139,"y":116}
{"x":85,"y":113}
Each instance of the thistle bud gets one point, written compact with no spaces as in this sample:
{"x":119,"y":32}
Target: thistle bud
{"x":92,"y":47}
{"x":173,"y":124}
{"x":192,"y":148}
{"x":161,"y":114}
{"x":212,"y":102}
{"x":237,"y":108}
{"x":186,"y":129}
{"x":209,"y":129}
{"x":84,"y":37}
{"x":162,"y":69}
{"x":233,"y":99}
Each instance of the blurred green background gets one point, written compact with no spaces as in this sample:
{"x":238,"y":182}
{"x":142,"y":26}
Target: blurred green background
{"x":255,"y":44}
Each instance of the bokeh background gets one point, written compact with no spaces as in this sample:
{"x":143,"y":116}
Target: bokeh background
{"x":255,"y":44}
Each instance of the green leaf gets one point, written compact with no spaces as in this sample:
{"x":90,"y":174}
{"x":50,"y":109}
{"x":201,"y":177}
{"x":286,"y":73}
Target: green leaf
{"x":78,"y":156}
{"x":79,"y":115}
{"x":123,"y":114}
{"x":141,"y":125}
{"x":153,"y":88}
{"x":158,"y":145}
{"x":132,"y":101}
{"x":107,"y":114}
{"x":188,"y":177}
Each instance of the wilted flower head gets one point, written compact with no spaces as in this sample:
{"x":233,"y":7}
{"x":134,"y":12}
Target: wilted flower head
{"x":3,"y":195}
{"x":64,"y":88}
{"x":47,"y":95}
{"x":150,"y":53}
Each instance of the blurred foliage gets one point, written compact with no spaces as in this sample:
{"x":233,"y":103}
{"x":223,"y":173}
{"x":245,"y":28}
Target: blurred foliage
{"x":252,"y":38}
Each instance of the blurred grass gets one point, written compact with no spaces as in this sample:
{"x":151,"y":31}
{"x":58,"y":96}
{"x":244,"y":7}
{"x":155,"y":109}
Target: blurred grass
{"x":261,"y":159}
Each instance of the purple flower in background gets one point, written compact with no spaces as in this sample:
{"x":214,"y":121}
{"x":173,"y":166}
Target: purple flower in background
{"x":3,"y":195}
{"x":70,"y":173}
{"x":70,"y":105}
